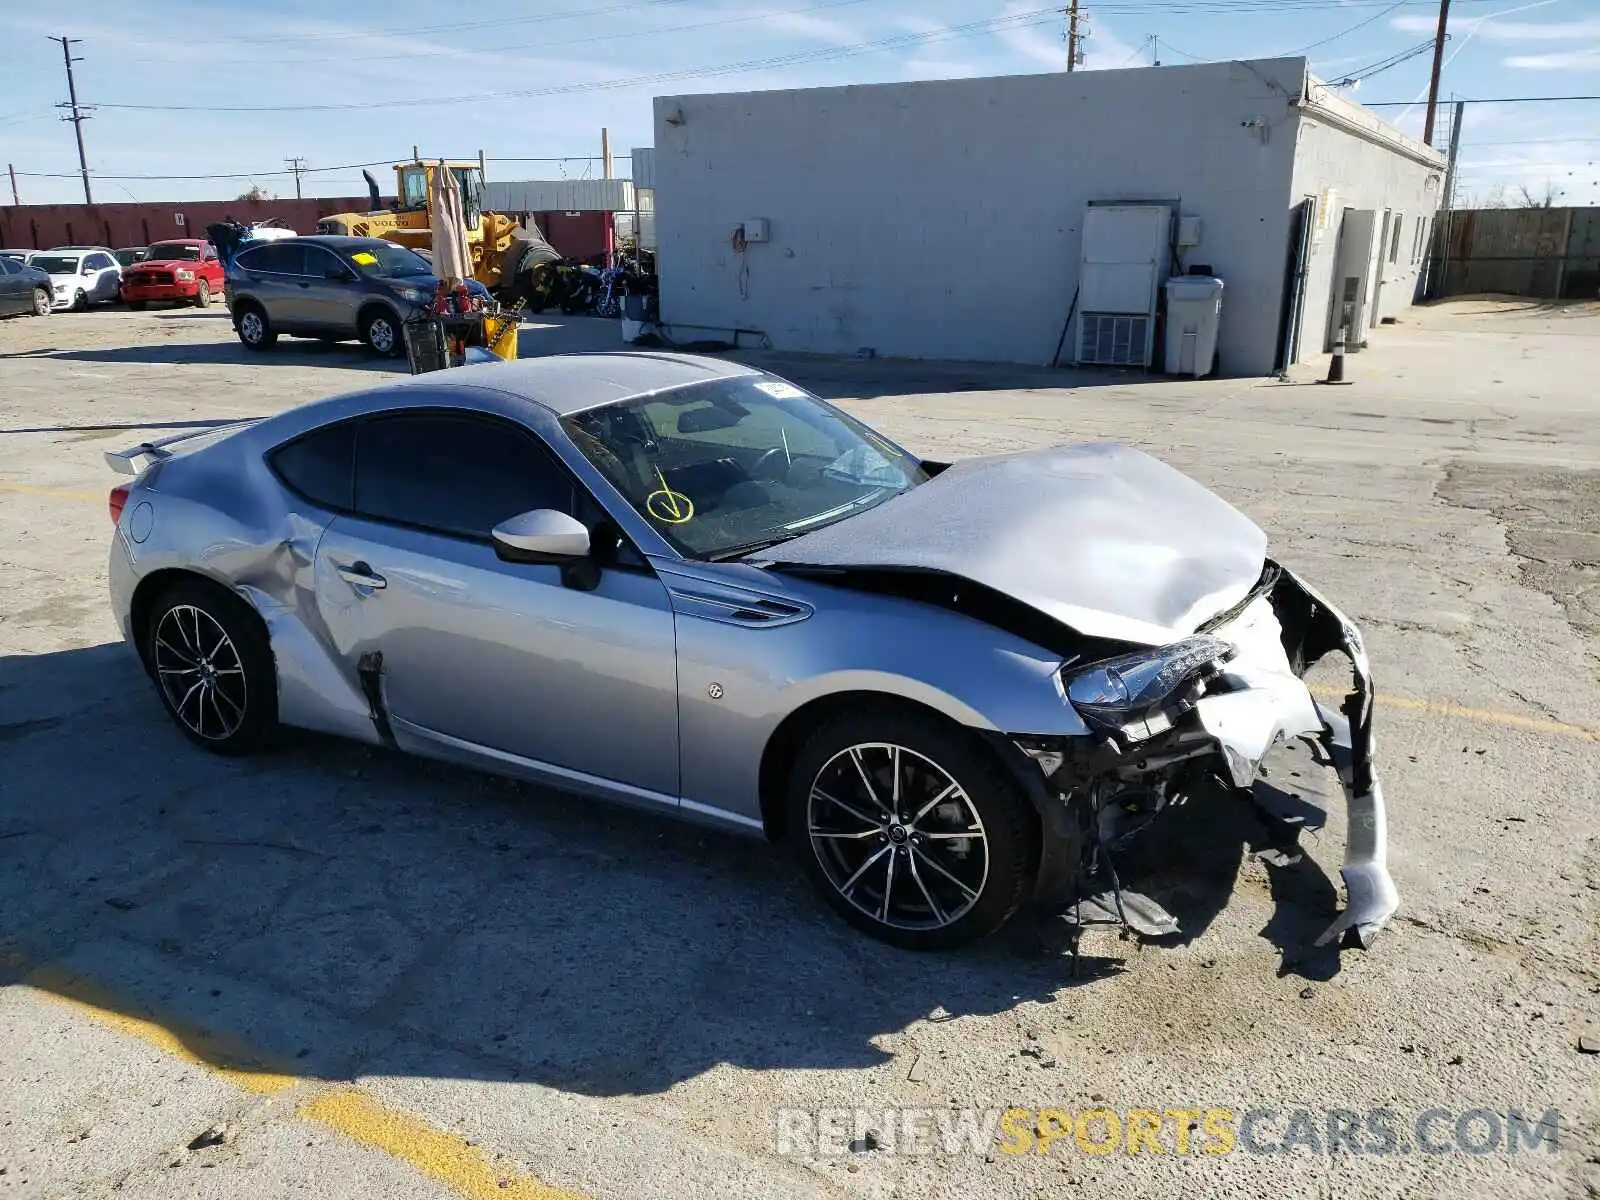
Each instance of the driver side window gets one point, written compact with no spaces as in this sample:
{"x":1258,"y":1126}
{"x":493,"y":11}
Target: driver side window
{"x":455,"y":474}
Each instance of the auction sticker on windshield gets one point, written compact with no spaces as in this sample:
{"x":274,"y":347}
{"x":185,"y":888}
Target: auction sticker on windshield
{"x":779,"y":390}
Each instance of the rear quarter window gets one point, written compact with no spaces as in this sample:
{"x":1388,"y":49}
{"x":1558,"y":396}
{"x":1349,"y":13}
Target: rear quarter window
{"x":319,"y":466}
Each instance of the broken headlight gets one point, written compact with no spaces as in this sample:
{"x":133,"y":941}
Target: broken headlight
{"x":1118,"y":690}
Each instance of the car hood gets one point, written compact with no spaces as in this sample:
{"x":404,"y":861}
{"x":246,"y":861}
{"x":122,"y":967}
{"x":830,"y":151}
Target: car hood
{"x":164,"y":264}
{"x":1105,"y":539}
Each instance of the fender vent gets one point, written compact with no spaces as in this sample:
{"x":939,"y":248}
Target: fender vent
{"x":733,"y":606}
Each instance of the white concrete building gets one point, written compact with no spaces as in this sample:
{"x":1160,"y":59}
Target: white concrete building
{"x":958,"y":219}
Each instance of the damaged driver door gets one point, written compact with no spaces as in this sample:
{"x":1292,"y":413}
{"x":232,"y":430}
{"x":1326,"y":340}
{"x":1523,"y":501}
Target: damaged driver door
{"x":513,"y":666}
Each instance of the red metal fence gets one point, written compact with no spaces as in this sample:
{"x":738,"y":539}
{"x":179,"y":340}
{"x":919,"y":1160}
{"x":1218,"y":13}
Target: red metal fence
{"x":40,"y":226}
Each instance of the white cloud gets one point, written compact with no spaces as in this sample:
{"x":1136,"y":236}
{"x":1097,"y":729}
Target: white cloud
{"x":817,"y":28}
{"x":1509,"y":31}
{"x":1568,"y":60}
{"x":1029,"y":43}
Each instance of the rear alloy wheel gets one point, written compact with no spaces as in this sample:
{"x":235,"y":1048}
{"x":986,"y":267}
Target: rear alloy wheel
{"x":381,"y":333}
{"x":255,"y":331}
{"x":41,"y":302}
{"x":910,"y":830}
{"x":213,"y":668}
{"x":202,"y":295}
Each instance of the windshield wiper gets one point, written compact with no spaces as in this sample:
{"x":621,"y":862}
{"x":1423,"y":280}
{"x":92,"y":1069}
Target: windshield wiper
{"x":749,"y":548}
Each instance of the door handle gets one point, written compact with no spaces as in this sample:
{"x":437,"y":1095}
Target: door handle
{"x":359,"y":574}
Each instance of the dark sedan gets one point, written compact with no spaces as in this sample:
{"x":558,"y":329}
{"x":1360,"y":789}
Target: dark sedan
{"x":23,"y":288}
{"x":329,"y":287}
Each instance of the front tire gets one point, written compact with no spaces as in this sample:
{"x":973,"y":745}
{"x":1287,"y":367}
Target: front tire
{"x":80,"y":301}
{"x":253,"y":327}
{"x":136,"y":305}
{"x":381,"y":332}
{"x":202,"y":295}
{"x":212,"y":666}
{"x":41,"y":302}
{"x":910,"y":828}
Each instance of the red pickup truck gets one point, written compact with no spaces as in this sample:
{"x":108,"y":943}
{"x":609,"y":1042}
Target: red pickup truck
{"x":186,"y":270}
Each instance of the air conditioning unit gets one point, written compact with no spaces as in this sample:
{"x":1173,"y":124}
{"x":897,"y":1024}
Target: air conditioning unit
{"x":1114,"y":339}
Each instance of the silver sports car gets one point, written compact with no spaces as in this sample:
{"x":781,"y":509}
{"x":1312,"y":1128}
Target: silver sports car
{"x":689,"y":585}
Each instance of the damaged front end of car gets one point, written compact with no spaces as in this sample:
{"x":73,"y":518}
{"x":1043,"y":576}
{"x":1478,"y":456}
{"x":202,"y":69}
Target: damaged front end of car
{"x":1171,"y":722}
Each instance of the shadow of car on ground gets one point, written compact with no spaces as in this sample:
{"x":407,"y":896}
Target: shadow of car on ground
{"x":344,"y":909}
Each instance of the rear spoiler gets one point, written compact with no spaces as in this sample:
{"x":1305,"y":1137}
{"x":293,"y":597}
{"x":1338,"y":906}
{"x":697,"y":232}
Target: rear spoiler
{"x":137,"y":458}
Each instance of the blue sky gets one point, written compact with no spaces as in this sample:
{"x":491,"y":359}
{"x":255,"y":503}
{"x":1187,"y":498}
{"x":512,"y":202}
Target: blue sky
{"x":590,"y":56}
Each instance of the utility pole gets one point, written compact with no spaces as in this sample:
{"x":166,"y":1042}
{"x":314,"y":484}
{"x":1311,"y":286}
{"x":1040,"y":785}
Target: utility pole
{"x":1155,"y":50}
{"x":1438,"y":65}
{"x":78,"y":116}
{"x":1074,"y":38}
{"x":14,"y":198}
{"x":298,"y":167}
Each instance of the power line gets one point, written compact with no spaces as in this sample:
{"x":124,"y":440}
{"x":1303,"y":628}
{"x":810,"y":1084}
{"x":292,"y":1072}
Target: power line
{"x":540,"y":45}
{"x":1019,"y":20}
{"x":453,"y":27}
{"x":1347,"y":32}
{"x":275,"y":172}
{"x":1483,"y":100}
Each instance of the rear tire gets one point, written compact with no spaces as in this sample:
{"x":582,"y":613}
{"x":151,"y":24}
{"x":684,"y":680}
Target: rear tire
{"x":209,"y":657}
{"x":380,"y":330}
{"x":946,"y":863}
{"x":254,"y":329}
{"x":202,"y":295}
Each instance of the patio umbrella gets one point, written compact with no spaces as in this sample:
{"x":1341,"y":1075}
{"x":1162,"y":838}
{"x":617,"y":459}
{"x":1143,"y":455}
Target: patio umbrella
{"x":451,"y":259}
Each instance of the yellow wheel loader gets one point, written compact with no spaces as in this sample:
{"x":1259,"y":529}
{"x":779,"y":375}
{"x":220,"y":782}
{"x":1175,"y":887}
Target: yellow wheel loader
{"x":504,"y":253}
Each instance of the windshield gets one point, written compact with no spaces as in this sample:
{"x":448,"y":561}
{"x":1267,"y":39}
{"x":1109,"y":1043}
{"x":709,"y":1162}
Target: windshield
{"x":722,"y":469}
{"x":167,"y":251}
{"x":387,"y":260}
{"x":56,"y":264}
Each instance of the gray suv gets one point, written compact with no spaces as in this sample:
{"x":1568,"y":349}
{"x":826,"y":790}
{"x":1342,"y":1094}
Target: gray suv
{"x":331,"y":288}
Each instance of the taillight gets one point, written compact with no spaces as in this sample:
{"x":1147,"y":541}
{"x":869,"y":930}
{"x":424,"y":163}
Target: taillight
{"x":118,"y":497}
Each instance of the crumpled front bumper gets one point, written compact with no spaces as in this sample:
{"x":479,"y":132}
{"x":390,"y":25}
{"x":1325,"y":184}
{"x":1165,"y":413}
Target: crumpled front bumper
{"x":1278,"y":637}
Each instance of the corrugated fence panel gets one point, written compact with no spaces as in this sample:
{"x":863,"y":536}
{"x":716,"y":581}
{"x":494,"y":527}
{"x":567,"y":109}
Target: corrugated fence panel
{"x":559,"y":195}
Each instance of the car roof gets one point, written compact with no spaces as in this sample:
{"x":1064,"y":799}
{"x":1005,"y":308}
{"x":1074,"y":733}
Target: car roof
{"x":78,"y":249}
{"x":570,"y":383}
{"x":560,"y":384}
{"x":188,"y":241}
{"x":338,"y":241}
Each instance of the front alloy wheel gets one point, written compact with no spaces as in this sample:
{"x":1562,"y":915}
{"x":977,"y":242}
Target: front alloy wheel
{"x":382,"y":335}
{"x":912,"y":829}
{"x":897,"y":837}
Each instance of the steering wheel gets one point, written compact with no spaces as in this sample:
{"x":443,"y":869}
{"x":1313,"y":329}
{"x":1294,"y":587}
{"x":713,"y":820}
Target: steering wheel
{"x":773,"y":464}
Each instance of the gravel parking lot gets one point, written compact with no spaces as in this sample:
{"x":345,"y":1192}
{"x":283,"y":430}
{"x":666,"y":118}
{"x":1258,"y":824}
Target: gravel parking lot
{"x":333,"y":971}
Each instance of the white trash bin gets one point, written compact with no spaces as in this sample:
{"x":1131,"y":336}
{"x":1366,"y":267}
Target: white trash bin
{"x":1194,"y":312}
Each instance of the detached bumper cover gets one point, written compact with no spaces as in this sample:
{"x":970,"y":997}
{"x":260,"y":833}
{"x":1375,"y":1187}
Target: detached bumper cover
{"x":1278,"y":638}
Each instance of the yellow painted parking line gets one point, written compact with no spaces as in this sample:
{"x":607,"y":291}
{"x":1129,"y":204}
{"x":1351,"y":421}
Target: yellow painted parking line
{"x":57,"y":493}
{"x":1489,"y":716}
{"x":446,"y":1157}
{"x":225,"y":1058}
{"x":349,"y":1112}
